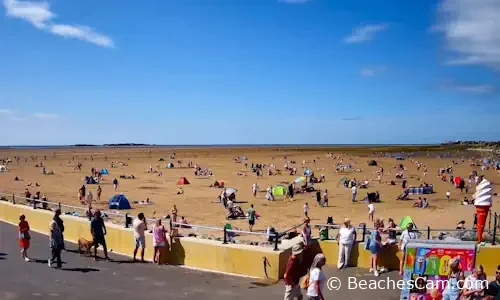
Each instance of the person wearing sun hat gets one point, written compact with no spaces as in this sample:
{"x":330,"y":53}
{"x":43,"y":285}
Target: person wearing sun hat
{"x":294,"y":271}
{"x":306,"y":233}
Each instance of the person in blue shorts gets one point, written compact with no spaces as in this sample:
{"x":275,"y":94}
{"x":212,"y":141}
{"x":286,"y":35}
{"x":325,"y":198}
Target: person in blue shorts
{"x":375,"y":245}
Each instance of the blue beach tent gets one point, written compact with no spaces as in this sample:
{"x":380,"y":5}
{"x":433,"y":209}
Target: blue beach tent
{"x":104,"y":172}
{"x":119,"y":202}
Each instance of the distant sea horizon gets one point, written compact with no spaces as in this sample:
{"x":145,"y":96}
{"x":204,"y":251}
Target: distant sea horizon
{"x":133,"y":145}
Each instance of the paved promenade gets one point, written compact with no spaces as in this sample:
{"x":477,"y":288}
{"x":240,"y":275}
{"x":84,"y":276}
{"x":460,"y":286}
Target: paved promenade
{"x":84,"y":278}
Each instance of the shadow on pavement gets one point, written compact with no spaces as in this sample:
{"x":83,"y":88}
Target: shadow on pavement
{"x":82,"y":270}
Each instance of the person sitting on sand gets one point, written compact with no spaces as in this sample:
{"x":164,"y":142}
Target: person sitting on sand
{"x":466,"y":201}
{"x":180,"y":191}
{"x":184,"y":222}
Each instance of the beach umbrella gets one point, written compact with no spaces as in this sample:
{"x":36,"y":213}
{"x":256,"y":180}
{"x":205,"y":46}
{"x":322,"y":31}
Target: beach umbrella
{"x":300,"y":179}
{"x":231,"y":191}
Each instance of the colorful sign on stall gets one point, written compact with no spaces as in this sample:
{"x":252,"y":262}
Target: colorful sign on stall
{"x":426,"y":267}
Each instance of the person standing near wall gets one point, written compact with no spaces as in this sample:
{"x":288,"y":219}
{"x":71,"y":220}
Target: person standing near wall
{"x":98,"y":231}
{"x":60,"y":224}
{"x":140,"y":239}
{"x":24,"y":237}
{"x":346,"y":239}
{"x":159,"y":241}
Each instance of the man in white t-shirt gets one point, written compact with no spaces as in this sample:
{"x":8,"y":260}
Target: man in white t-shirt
{"x":354,"y":191}
{"x":406,"y":236}
{"x":346,"y":239}
{"x":140,"y":227}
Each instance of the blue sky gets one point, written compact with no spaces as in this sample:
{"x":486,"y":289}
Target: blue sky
{"x":249,"y":71}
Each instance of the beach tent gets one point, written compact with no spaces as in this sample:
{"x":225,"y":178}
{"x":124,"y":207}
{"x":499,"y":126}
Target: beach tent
{"x":3,"y":169}
{"x":230,"y":191}
{"x":343,"y":180}
{"x":456,"y":181}
{"x":161,"y":159}
{"x":90,"y":180}
{"x":486,"y":161}
{"x":300,"y":179}
{"x":104,"y":172}
{"x":279,"y":190}
{"x":183,"y":180}
{"x":372,"y":163}
{"x":170,"y":165}
{"x":244,"y":158}
{"x":119,"y":202}
{"x":399,"y":158}
{"x":307,"y":172}
{"x":405,"y":221}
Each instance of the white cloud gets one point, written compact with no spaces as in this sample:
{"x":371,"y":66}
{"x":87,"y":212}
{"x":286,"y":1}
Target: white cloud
{"x":83,"y":33}
{"x":469,"y":88}
{"x":367,"y":72}
{"x":6,"y":111}
{"x":371,"y":71}
{"x":472,"y":31}
{"x":364,"y":33}
{"x":18,"y":119}
{"x":45,"y":116}
{"x":40,"y":16}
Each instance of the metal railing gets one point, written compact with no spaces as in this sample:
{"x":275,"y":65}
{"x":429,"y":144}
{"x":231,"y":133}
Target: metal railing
{"x":228,"y":234}
{"x":423,"y":232}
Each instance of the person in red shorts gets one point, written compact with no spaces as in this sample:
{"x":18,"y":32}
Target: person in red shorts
{"x":24,"y":237}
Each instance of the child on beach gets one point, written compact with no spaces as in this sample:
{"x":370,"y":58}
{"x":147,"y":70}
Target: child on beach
{"x":306,"y":209}
{"x":371,"y":210}
{"x":448,"y":194}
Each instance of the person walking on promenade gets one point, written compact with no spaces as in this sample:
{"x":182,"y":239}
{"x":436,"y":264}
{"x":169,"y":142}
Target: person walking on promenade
{"x":294,"y":271}
{"x":140,"y":227}
{"x":98,"y":231}
{"x":24,"y":237}
{"x":55,"y":242}
{"x":60,"y":224}
{"x":317,"y":278}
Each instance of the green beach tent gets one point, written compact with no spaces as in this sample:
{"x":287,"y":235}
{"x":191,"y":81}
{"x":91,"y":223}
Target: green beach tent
{"x":279,"y":190}
{"x":405,"y":221}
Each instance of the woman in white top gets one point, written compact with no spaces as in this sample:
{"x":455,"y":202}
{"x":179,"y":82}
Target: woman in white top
{"x":346,"y":239}
{"x":317,"y":278}
{"x":406,"y":236}
{"x":475,"y":284}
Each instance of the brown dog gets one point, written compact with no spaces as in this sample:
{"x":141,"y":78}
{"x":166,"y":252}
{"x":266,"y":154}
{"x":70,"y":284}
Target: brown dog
{"x":85,"y":245}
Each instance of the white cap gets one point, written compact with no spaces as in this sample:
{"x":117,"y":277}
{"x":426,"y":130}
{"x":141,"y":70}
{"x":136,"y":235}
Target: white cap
{"x":483,"y":195}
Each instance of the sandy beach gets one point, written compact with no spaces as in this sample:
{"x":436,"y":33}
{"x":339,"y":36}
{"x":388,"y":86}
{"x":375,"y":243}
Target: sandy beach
{"x":198,"y":205}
